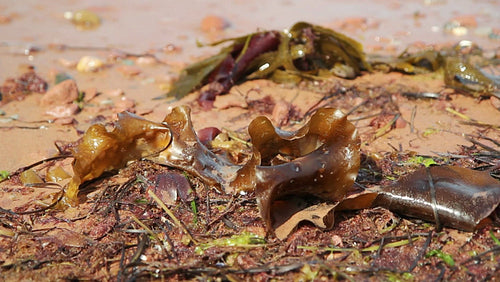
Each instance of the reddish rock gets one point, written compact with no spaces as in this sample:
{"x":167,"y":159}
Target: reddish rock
{"x":400,"y":123}
{"x":61,"y":94}
{"x":5,"y":19}
{"x":124,"y":104}
{"x":90,"y":94}
{"x":213,"y":23}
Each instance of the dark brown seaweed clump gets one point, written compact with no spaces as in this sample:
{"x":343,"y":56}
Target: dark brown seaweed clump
{"x":447,"y":195}
{"x":323,"y":156}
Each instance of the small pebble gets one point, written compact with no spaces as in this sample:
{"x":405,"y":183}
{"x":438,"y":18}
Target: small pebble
{"x":89,"y":64}
{"x":494,"y":34}
{"x":337,"y":241}
{"x":400,"y":123}
{"x":83,"y":19}
{"x":60,"y":94}
{"x":63,"y":111}
{"x":124,"y":104}
{"x":171,"y":49}
{"x":115,"y":92}
{"x":146,"y":61}
{"x":212,"y":23}
{"x":454,"y":27}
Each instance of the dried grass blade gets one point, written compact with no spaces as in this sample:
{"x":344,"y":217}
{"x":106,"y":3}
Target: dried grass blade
{"x":386,"y":128}
{"x":471,"y":121}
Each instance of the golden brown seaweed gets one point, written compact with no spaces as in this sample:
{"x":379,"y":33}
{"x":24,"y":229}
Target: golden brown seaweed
{"x":325,"y":48}
{"x":460,"y":75}
{"x":172,"y":143}
{"x":188,"y":153}
{"x":411,"y":63}
{"x":459,"y":72}
{"x":323,"y":155}
{"x":447,"y":195}
{"x":101,"y":150}
{"x":324,"y":158}
{"x":324,"y":161}
{"x":193,"y":76}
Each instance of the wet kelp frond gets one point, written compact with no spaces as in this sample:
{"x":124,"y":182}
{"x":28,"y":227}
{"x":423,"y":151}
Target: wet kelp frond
{"x":305,"y":50}
{"x":410,"y":63}
{"x":324,"y":159}
{"x":329,"y":49}
{"x":320,"y":159}
{"x":463,"y":76}
{"x":101,"y":150}
{"x":188,"y":153}
{"x":447,"y":195}
{"x":194,"y":75}
{"x":464,"y":70}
